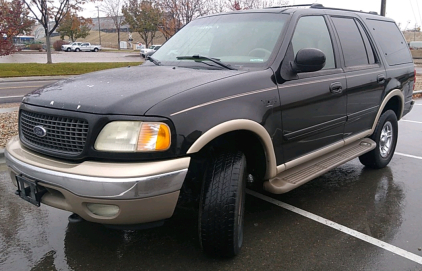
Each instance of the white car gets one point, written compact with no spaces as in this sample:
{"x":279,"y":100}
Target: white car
{"x":68,"y":47}
{"x":151,"y":49}
{"x":86,"y":47}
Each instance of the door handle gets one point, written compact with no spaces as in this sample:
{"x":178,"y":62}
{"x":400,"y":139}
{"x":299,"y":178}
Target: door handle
{"x":336,"y":88}
{"x":381,"y":78}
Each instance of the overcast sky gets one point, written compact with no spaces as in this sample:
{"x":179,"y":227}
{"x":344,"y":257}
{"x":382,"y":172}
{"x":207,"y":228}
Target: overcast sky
{"x":405,"y":12}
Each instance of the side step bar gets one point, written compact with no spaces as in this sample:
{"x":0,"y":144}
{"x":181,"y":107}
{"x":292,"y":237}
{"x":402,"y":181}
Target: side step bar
{"x":301,"y":174}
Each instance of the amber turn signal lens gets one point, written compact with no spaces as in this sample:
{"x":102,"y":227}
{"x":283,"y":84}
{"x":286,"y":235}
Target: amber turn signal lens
{"x":154,"y":137}
{"x":163,"y":138}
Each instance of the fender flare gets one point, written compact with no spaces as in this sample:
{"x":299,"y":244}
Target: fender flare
{"x":236,"y":125}
{"x":387,"y":98}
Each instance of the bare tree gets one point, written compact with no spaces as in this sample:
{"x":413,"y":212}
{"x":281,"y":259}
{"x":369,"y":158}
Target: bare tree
{"x":255,"y":4}
{"x":46,"y":11}
{"x":113,"y":9}
{"x":183,"y":11}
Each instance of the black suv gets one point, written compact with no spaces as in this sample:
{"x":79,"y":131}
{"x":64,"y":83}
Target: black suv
{"x":275,"y":97}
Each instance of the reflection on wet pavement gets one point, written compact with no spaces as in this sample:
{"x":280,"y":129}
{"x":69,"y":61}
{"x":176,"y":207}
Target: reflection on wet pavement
{"x":385,"y":204}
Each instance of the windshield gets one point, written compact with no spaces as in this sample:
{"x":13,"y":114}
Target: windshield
{"x":238,"y":39}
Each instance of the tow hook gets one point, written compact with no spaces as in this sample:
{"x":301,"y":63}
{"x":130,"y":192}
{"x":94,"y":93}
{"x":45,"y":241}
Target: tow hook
{"x":75,"y":218}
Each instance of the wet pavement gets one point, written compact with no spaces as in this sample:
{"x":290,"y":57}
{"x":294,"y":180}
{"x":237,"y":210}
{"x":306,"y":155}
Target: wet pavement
{"x":384,"y":204}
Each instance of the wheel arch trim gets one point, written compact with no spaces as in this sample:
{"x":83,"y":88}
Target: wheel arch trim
{"x":387,"y":98}
{"x":236,"y":125}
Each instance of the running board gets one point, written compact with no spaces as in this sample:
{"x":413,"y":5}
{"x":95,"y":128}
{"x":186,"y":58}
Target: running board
{"x":301,"y":174}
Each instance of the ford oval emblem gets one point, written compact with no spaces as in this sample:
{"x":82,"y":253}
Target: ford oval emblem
{"x":40,"y":131}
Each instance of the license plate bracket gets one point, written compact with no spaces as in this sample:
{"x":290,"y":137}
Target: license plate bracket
{"x":29,"y":190}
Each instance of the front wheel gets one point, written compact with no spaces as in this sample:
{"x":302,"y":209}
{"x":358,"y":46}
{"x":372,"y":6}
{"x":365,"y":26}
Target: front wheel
{"x":385,"y":135}
{"x":77,"y":50}
{"x":222,"y":203}
{"x":68,"y":50}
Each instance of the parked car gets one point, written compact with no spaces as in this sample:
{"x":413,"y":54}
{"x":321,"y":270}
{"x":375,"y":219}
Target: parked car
{"x":277,"y":97}
{"x":151,"y":49}
{"x":68,"y":47}
{"x":86,"y":47}
{"x":415,"y":45}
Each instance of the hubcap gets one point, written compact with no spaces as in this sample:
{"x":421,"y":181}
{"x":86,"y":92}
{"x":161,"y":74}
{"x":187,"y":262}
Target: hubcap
{"x":386,"y":139}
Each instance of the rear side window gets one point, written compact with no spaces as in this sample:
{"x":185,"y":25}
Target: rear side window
{"x":393,"y":46}
{"x":351,"y":40}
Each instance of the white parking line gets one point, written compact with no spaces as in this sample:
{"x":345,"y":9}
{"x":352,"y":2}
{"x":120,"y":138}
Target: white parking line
{"x":5,"y":97}
{"x":413,"y":121}
{"x":334,"y":225}
{"x":408,"y":155}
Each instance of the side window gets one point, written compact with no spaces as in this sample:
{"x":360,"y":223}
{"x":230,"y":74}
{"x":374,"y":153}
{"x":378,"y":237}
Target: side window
{"x":351,"y":41}
{"x":391,"y":40}
{"x":312,"y":32}
{"x":369,"y":49}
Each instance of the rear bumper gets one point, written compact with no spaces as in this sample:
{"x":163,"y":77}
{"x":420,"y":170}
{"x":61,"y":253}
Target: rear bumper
{"x":144,"y":192}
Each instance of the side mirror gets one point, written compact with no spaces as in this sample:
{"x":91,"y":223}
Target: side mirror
{"x":308,"y":60}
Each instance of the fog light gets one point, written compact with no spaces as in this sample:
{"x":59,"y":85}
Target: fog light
{"x":105,"y":210}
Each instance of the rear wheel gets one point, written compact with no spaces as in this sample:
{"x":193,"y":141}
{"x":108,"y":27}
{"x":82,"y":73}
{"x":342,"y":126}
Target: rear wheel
{"x":222,"y":205}
{"x":385,"y":135}
{"x":77,"y":50}
{"x":95,"y":49}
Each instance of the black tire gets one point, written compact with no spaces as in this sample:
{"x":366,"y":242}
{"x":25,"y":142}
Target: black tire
{"x":95,"y":49}
{"x":68,"y":50}
{"x":222,"y":205}
{"x":77,"y":50}
{"x":381,"y":156}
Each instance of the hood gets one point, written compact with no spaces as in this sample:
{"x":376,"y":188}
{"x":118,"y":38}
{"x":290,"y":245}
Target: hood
{"x":122,"y":91}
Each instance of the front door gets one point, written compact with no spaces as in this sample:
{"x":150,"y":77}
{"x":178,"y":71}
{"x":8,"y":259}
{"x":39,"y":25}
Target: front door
{"x":314,"y":104}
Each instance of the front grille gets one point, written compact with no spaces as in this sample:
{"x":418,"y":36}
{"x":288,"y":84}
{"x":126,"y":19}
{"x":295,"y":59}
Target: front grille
{"x":63,"y":134}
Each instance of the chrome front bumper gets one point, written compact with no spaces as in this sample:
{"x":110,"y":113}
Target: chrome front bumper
{"x":99,"y":180}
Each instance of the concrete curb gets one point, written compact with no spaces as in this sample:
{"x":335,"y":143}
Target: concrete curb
{"x":32,"y":78}
{"x":2,"y":159}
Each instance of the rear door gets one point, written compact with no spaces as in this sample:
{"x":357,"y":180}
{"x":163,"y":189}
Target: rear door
{"x":365,"y":75}
{"x":313,"y":103}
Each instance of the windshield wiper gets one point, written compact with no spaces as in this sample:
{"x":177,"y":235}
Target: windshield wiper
{"x":155,"y":61}
{"x":201,"y":58}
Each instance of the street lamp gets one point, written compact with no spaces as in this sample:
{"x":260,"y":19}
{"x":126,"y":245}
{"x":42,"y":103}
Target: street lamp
{"x":99,"y":27}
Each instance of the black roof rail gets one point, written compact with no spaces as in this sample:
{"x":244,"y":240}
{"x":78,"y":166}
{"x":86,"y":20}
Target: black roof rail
{"x":316,"y":5}
{"x":341,"y":9}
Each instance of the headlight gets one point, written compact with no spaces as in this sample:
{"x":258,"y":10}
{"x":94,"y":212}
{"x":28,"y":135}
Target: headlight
{"x":134,"y":136}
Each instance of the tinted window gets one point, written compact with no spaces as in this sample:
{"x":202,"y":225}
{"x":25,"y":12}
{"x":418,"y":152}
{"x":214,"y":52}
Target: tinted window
{"x":312,"y":32}
{"x":391,"y":41}
{"x":368,"y":45}
{"x":354,"y":51}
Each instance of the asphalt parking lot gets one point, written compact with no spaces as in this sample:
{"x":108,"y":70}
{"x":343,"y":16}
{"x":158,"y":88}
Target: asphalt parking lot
{"x":351,"y":218}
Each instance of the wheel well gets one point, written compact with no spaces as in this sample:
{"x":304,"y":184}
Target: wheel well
{"x":243,"y":140}
{"x":394,"y":104}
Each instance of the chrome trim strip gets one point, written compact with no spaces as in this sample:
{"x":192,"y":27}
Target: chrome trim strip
{"x":252,"y":93}
{"x":311,"y":82}
{"x":318,"y":128}
{"x":101,"y":187}
{"x":225,"y":99}
{"x":360,"y":74}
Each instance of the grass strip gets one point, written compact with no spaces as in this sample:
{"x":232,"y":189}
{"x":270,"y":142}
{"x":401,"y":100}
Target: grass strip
{"x":38,"y":69}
